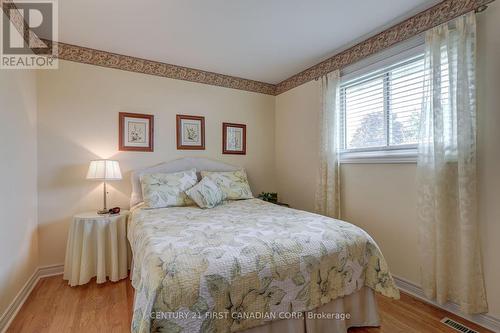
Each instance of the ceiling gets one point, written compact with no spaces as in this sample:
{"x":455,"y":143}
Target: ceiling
{"x":263,"y":40}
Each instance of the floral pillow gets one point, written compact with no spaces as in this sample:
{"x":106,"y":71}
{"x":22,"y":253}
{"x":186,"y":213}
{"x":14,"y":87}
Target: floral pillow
{"x":234,"y":184}
{"x":167,"y":189}
{"x":206,"y":194}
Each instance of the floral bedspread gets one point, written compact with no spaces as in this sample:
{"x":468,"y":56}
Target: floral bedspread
{"x":237,"y":265}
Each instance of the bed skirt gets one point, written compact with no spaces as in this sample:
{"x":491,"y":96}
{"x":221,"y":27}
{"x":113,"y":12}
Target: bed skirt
{"x":356,"y":310}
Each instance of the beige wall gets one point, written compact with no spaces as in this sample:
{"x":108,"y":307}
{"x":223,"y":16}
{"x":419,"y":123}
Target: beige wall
{"x":380,"y":198}
{"x":297,"y":144}
{"x":371,"y":194}
{"x":18,"y":171}
{"x":78,"y":108}
{"x":78,"y":121}
{"x":489,"y":148}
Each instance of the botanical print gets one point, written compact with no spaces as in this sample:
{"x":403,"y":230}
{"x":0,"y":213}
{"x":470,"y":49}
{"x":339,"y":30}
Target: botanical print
{"x":190,"y":132}
{"x":234,"y":184}
{"x":136,"y":132}
{"x":234,"y":138}
{"x":167,"y":189}
{"x":244,"y":257}
{"x":206,"y":194}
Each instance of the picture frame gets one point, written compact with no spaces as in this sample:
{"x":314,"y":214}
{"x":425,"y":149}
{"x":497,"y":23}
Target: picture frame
{"x":234,"y":138}
{"x":136,"y":132}
{"x":190,"y":132}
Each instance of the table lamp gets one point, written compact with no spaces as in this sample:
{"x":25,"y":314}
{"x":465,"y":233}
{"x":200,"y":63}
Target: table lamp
{"x":104,"y":170}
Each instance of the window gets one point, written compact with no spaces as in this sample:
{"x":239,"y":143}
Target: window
{"x":381,"y":110}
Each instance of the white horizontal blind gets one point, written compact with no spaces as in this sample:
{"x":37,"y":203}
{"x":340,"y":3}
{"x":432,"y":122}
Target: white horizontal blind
{"x":447,"y":68}
{"x":381,"y":110}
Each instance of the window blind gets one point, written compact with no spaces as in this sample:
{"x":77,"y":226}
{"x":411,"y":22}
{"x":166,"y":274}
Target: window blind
{"x":381,"y":110}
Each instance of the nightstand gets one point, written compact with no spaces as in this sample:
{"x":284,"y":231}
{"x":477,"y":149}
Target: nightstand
{"x":97,"y":246}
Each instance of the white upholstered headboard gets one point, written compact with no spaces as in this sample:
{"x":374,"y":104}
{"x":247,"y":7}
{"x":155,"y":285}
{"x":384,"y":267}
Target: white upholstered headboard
{"x":181,"y":164}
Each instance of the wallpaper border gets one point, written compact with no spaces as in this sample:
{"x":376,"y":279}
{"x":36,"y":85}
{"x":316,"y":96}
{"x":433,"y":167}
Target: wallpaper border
{"x":101,"y":58}
{"x":434,"y":16}
{"x":19,"y":23}
{"x":430,"y":18}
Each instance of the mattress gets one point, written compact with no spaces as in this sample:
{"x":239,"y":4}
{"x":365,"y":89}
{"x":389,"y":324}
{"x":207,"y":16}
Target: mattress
{"x":243,"y":264}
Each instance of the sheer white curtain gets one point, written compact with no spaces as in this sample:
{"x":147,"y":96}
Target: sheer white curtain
{"x":328,"y":187}
{"x":446,"y":171}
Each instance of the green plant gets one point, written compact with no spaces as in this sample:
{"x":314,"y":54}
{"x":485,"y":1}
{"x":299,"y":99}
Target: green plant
{"x":269,"y":196}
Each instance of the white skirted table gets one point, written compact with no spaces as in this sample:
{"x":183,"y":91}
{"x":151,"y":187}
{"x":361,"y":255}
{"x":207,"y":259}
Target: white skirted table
{"x":97,"y":246}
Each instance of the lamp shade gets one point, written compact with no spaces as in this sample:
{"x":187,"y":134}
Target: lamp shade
{"x":104,"y":170}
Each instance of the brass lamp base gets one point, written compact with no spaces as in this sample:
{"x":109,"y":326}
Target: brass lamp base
{"x":104,"y":210}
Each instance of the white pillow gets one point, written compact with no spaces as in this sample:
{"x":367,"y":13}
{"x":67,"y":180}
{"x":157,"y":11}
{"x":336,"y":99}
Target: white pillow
{"x":206,"y":194}
{"x":234,"y":184}
{"x":167,"y":189}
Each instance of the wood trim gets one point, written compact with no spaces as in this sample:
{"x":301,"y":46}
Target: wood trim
{"x":178,"y":119}
{"x":430,"y":18}
{"x":121,"y":131}
{"x":224,"y":137}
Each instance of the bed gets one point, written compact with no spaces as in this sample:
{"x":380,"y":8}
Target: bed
{"x":249,"y":266}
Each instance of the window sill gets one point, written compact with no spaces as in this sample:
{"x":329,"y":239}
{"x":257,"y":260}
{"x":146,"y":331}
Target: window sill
{"x":395,"y":156}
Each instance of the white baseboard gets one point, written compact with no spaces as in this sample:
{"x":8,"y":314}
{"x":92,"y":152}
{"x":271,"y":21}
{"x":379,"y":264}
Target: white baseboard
{"x":484,"y":320}
{"x":51,"y":270}
{"x":22,"y":295}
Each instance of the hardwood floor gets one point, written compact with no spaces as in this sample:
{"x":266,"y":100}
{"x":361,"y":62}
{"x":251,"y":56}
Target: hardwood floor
{"x":53,"y":306}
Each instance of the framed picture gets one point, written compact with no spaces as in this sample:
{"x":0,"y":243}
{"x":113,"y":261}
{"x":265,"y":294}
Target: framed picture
{"x":234,"y":138}
{"x":136,"y":132}
{"x":190,"y":132}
